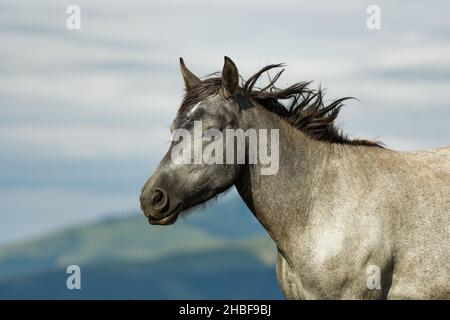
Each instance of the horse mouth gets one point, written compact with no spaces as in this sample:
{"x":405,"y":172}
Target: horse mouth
{"x":168,"y":219}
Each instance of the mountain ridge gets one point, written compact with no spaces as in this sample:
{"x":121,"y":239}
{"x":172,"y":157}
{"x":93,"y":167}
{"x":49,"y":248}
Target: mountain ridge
{"x":128,"y":250}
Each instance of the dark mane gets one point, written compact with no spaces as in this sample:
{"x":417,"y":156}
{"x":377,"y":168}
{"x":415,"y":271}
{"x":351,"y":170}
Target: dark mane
{"x":304,"y":108}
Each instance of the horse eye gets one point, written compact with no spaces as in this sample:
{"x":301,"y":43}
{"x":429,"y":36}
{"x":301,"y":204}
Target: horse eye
{"x":208,"y":133}
{"x":211,"y":132}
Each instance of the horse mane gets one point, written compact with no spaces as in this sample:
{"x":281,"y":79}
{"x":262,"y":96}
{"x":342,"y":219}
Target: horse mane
{"x":305,"y":109}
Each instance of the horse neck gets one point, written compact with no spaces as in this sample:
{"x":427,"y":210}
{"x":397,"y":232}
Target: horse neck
{"x":281,"y":201}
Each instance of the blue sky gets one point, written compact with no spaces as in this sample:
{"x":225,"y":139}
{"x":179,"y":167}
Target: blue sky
{"x":85,"y":114}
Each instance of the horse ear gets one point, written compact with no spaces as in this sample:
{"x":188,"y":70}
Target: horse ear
{"x":190,"y":79}
{"x":230,"y":78}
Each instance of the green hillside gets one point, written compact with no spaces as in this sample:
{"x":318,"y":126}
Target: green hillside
{"x":205,"y":255}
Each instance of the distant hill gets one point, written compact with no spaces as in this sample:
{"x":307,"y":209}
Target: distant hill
{"x":218,"y":253}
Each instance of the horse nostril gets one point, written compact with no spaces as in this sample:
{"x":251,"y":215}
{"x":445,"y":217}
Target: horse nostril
{"x":160,"y":200}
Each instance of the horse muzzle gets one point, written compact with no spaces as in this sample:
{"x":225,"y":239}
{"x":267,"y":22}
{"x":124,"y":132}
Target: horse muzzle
{"x":157,"y":207}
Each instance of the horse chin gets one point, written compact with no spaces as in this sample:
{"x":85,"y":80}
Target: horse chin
{"x":167,"y":220}
{"x":185,"y":208}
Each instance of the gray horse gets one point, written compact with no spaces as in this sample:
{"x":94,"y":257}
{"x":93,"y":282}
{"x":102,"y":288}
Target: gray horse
{"x":350,"y":218}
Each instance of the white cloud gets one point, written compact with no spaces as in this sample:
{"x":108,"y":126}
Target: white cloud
{"x":85,"y":142}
